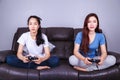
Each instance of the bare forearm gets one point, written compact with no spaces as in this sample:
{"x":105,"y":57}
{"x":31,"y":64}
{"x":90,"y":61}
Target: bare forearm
{"x":79,"y":56}
{"x":103,"y":51}
{"x":104,"y":55}
{"x":45,"y":57}
{"x":20,"y":56}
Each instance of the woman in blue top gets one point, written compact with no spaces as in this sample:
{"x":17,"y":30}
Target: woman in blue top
{"x":86,"y":47}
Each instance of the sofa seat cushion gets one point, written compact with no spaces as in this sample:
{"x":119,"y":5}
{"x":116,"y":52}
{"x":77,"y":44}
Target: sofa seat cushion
{"x":111,"y":73}
{"x":63,"y":72}
{"x":5,"y":53}
{"x":8,"y":72}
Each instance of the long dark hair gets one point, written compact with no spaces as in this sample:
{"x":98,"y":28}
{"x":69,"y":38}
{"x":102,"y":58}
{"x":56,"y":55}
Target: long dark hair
{"x":39,"y":39}
{"x":85,"y":38}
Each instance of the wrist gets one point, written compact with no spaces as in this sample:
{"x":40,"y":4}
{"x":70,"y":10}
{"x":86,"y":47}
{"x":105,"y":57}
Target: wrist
{"x":41,"y":59}
{"x":84,"y":59}
{"x":21,"y":58}
{"x":102,"y":58}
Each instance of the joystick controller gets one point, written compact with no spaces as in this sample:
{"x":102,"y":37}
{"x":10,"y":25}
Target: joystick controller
{"x":32,"y":58}
{"x":94,"y":60}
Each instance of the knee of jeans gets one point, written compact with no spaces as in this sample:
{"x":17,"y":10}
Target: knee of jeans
{"x":10,"y":58}
{"x":53,"y":61}
{"x":73,"y":60}
{"x":112,"y":59}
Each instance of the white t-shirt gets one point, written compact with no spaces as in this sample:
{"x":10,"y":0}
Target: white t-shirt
{"x":30,"y":45}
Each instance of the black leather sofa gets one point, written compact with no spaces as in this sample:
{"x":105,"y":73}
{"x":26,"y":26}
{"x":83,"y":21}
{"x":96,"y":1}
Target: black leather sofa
{"x":63,"y":39}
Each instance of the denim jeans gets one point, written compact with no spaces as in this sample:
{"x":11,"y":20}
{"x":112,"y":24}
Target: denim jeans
{"x":13,"y":60}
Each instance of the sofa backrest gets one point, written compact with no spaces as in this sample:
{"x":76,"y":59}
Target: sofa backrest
{"x":61,"y":37}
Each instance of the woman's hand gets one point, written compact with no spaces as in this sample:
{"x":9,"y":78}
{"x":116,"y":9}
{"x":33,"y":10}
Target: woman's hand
{"x":101,"y":61}
{"x":25,"y":59}
{"x":86,"y":61}
{"x":38,"y":61}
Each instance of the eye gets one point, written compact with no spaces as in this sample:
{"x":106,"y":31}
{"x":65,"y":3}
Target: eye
{"x":94,"y":21}
{"x":35,"y":23}
{"x":89,"y":21}
{"x":30,"y":23}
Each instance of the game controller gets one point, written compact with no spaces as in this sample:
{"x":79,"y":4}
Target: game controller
{"x":32,"y":58}
{"x":94,"y":60}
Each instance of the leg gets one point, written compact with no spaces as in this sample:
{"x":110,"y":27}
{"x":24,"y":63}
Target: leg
{"x":78,"y":64}
{"x":53,"y":61}
{"x":79,"y":68}
{"x":50,"y":63}
{"x":93,"y":66}
{"x":14,"y":61}
{"x":73,"y":60}
{"x":109,"y":61}
{"x":42,"y":65}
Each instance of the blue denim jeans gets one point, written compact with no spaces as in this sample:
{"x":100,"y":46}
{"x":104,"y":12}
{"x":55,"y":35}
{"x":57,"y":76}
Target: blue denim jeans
{"x":12,"y":60}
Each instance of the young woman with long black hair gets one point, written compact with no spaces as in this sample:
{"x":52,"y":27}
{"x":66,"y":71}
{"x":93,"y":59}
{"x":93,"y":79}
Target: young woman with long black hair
{"x":33,"y":44}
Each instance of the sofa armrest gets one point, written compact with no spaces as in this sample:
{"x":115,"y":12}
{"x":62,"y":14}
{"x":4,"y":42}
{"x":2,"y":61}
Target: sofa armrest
{"x":4,"y":53}
{"x":117,"y":55}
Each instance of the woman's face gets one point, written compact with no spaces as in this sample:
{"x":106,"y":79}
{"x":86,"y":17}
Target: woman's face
{"x":92,"y":23}
{"x":33,"y":25}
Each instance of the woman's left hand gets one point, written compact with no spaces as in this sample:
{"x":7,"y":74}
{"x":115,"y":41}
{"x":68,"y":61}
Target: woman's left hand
{"x":101,"y":61}
{"x":38,"y":61}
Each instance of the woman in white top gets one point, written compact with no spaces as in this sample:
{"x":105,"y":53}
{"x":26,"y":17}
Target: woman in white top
{"x":34,"y":48}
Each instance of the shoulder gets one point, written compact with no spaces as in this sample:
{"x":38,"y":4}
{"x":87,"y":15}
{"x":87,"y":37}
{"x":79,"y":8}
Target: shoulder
{"x":25,"y":34}
{"x":78,"y":38}
{"x":79,"y":34}
{"x":44,"y":35}
{"x":22,"y":39}
{"x":100,"y":35}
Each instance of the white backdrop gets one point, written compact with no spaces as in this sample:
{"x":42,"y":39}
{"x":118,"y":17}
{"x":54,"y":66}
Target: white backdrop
{"x":59,"y":13}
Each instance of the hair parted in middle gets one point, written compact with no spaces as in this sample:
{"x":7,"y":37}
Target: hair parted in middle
{"x":85,"y":38}
{"x":39,"y":39}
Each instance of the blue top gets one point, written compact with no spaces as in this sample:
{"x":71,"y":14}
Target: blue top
{"x":93,"y":47}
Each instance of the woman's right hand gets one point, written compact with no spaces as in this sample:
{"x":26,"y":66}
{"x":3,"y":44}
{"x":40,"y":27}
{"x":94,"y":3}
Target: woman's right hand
{"x":25,"y":59}
{"x":86,"y":61}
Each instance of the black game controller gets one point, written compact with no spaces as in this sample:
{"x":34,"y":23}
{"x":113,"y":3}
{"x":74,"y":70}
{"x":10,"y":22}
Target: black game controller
{"x":32,"y":58}
{"x":94,"y":60}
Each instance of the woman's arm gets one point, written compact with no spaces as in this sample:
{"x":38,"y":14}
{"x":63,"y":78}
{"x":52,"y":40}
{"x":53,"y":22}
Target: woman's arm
{"x":19,"y":54}
{"x":76,"y":52}
{"x":103,"y":53}
{"x":46,"y":48}
{"x":79,"y":56}
{"x":47,"y":55}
